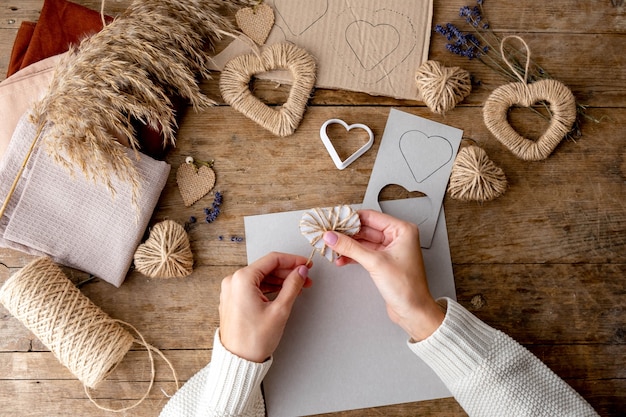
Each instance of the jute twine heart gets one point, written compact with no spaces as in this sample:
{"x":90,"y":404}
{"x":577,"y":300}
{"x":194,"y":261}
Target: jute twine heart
{"x":562,"y":107}
{"x":315,"y":222}
{"x":235,"y":86}
{"x":442,"y":88}
{"x":256,"y":22}
{"x":475,"y":177}
{"x":166,"y":253}
{"x":194,"y":183}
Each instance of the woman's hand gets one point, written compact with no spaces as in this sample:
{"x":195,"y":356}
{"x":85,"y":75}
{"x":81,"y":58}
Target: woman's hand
{"x":389,"y":249}
{"x":251,"y":325}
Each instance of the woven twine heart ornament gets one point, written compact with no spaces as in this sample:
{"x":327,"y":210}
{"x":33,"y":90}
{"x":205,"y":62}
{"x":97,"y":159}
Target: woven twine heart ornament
{"x":314,"y":222}
{"x":166,"y":253}
{"x":442,"y":88}
{"x":474,"y":177}
{"x":235,"y":86}
{"x":193,"y":182}
{"x":256,"y":22}
{"x":562,"y":107}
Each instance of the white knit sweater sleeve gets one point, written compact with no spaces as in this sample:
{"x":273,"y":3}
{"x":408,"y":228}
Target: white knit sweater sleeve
{"x":490,"y":374}
{"x":229,"y":386}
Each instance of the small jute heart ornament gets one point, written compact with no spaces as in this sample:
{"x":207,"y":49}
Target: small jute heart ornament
{"x":343,"y":219}
{"x":440,"y":87}
{"x":256,"y":22}
{"x":474,"y":177}
{"x":562,"y":107}
{"x":193,"y":182}
{"x":166,"y":253}
{"x":235,"y":86}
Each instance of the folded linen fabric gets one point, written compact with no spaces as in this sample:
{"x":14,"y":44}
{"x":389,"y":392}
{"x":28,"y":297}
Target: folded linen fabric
{"x":73,"y":220}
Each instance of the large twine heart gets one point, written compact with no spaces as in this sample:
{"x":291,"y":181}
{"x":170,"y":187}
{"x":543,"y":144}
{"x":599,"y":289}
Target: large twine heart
{"x":194,"y":183}
{"x":235,"y":86}
{"x":562,"y":107}
{"x":166,"y":253}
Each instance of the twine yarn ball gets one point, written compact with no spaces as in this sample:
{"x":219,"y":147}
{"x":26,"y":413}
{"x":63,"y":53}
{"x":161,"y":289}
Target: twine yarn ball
{"x":440,"y":87}
{"x":166,"y":253}
{"x":82,"y":337}
{"x":342,"y":219}
{"x":475,"y":177}
{"x":235,"y":86}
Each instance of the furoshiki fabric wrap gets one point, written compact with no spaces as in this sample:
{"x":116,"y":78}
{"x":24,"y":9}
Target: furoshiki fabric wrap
{"x":70,"y":218}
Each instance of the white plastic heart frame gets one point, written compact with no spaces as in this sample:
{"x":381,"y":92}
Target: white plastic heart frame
{"x":331,"y":148}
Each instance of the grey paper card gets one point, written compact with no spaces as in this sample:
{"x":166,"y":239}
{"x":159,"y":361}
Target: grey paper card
{"x":417,"y":154}
{"x":340,"y":351}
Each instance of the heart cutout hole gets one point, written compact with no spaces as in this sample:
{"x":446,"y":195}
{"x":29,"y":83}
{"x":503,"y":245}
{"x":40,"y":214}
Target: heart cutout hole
{"x":417,"y":211}
{"x":530,"y":122}
{"x":346,"y":142}
{"x":269,"y":92}
{"x":397,"y":192}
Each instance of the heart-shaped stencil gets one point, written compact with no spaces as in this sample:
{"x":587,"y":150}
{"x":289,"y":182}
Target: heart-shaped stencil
{"x":299,"y":22}
{"x":359,"y":35}
{"x":193,"y":183}
{"x":424,"y":154}
{"x":256,"y":22}
{"x":331,"y":148}
{"x":562,"y":106}
{"x":235,"y":86}
{"x":342,"y":219}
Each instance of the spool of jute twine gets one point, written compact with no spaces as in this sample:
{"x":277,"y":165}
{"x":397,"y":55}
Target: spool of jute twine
{"x":83,"y":338}
{"x":440,"y":87}
{"x":562,"y":105}
{"x":166,"y":253}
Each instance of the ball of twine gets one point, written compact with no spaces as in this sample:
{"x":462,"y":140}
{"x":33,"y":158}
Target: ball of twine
{"x":166,"y":253}
{"x":440,"y":87}
{"x":475,"y":177}
{"x":81,"y":336}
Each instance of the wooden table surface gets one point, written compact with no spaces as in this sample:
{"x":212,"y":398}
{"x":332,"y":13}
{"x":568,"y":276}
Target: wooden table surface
{"x":546,"y":262}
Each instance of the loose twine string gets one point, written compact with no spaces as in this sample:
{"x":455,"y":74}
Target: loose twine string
{"x":562,"y":107}
{"x":82,"y":337}
{"x":317,"y":221}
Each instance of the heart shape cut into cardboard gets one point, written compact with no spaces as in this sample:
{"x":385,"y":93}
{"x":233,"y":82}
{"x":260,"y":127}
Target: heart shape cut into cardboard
{"x":331,"y":148}
{"x":193,"y":183}
{"x":235,"y":86}
{"x":424,"y":154}
{"x":256,"y":22}
{"x":562,"y":106}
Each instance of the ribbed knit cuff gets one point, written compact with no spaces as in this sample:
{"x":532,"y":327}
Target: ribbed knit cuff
{"x":458,"y":346}
{"x":232,"y":382}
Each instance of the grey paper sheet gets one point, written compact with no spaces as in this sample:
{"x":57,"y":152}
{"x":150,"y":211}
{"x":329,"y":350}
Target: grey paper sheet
{"x":417,"y":154}
{"x":340,"y":351}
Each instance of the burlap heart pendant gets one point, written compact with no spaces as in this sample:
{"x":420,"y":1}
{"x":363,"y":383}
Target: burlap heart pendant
{"x":256,"y":22}
{"x":194,"y":183}
{"x":235,"y":86}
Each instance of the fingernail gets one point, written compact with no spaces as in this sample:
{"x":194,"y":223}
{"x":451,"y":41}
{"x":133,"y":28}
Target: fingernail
{"x":303,"y":271}
{"x":330,"y":238}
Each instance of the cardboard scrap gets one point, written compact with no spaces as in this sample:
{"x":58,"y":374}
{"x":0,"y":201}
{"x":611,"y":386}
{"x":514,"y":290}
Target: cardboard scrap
{"x":371,"y":46}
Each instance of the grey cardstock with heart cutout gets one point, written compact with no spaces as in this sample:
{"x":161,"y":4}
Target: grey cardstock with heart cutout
{"x":417,"y":154}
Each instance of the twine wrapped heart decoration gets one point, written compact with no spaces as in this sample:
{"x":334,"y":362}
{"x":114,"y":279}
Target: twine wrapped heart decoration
{"x":475,"y":177}
{"x":562,"y":107}
{"x":343,"y":219}
{"x":440,"y":87}
{"x":166,"y":253}
{"x":235,"y":86}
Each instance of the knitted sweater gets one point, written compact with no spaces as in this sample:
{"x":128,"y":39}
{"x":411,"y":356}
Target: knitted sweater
{"x":489,"y":374}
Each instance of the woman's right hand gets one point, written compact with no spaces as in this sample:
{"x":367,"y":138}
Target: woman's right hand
{"x":389,"y":249}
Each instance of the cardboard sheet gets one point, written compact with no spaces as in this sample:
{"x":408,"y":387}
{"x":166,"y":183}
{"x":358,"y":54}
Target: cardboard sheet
{"x":373,"y":46}
{"x":340,"y":351}
{"x":417,"y":154}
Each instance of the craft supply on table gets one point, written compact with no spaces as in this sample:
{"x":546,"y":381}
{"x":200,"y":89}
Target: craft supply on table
{"x":166,"y":253}
{"x":256,"y":21}
{"x":440,"y":87}
{"x":195,"y":179}
{"x":562,"y":105}
{"x":82,"y":337}
{"x":342,"y":219}
{"x":475,"y":177}
{"x":331,"y":148}
{"x":238,"y":72}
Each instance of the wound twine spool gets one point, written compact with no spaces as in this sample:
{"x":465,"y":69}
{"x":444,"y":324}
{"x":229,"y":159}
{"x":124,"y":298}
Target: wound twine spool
{"x":562,"y":107}
{"x":82,"y":337}
{"x":166,"y":253}
{"x":440,"y":87}
{"x":475,"y":177}
{"x":314,"y":222}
